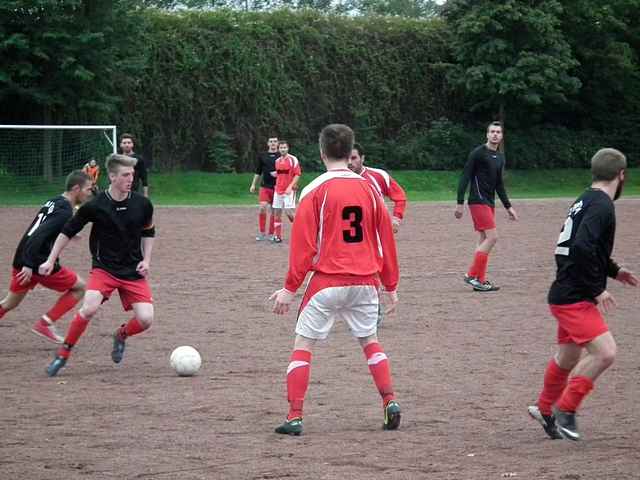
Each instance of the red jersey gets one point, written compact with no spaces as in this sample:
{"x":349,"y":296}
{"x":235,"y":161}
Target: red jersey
{"x":387,"y":186}
{"x":287,"y":168}
{"x":342,"y":228}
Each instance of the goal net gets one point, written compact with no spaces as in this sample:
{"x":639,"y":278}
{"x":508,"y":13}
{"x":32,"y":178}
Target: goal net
{"x":35,"y":159}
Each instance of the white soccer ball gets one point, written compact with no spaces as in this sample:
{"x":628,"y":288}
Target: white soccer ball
{"x":185,"y":361}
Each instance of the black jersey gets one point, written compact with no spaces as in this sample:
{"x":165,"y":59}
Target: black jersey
{"x":37,"y":241}
{"x":583,"y":253}
{"x":139,"y":173}
{"x":265,"y":164}
{"x":118,"y":228}
{"x":483,"y":169}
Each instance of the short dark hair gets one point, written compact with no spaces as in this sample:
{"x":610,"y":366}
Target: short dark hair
{"x":495,"y":123}
{"x":358,"y":147}
{"x":336,"y":141}
{"x":607,"y":163}
{"x":77,"y":177}
{"x":283,"y":142}
{"x":129,"y":136}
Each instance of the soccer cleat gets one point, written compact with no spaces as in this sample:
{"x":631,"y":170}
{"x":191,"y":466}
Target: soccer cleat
{"x":47,"y":330}
{"x":468,"y":279}
{"x":485,"y":286}
{"x":291,"y":427}
{"x":276,"y":239}
{"x":55,"y":366}
{"x":260,"y":237}
{"x":567,"y":427}
{"x":391,"y":416}
{"x":548,"y":422}
{"x":118,"y":347}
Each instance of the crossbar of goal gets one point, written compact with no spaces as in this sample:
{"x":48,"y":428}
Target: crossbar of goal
{"x":111,"y":140}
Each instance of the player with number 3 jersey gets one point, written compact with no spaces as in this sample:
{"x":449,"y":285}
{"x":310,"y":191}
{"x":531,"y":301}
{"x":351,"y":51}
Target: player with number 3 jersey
{"x":583,"y":259}
{"x":343,"y":234}
{"x":34,"y":248}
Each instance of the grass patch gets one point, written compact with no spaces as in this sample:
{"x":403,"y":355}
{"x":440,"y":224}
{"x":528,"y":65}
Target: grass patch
{"x":200,"y":188}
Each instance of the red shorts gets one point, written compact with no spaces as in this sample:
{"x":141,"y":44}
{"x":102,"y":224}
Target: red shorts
{"x":61,"y":281}
{"x":266,"y":195}
{"x":484,"y":217}
{"x":578,"y":323}
{"x":130,"y":291}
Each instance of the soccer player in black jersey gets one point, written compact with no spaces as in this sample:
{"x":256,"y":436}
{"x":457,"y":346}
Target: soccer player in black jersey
{"x":484,"y":171}
{"x":140,"y":176}
{"x":121,"y":242}
{"x":586,"y":347}
{"x":266,"y":168}
{"x":34,"y":248}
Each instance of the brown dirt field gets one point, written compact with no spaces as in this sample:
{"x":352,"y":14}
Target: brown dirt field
{"x":465,"y":365}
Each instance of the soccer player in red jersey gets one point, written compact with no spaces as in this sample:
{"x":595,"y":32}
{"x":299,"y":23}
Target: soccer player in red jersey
{"x":288,"y":173}
{"x":484,"y":170}
{"x":382,"y":182}
{"x":586,"y":347}
{"x":34,"y":248}
{"x":121,"y":242}
{"x":266,"y":168}
{"x":342,"y":234}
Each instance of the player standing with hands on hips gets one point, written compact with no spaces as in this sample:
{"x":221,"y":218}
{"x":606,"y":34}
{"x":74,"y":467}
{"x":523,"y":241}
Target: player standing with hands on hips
{"x":343,"y":234}
{"x":583,"y":259}
{"x":484,"y":170}
{"x":121,"y":242}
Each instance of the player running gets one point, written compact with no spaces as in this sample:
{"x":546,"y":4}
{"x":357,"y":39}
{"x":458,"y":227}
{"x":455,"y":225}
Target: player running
{"x":34,"y":248}
{"x":484,"y":170}
{"x":121,"y":242}
{"x":382,"y":182}
{"x":586,"y":347}
{"x":343,"y":234}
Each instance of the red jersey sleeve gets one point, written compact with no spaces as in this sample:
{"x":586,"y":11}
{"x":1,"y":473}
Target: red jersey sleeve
{"x":398,"y":197}
{"x":303,"y":243}
{"x":390,"y":273}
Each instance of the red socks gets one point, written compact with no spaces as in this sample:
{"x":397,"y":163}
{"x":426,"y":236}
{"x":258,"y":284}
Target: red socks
{"x":379,"y":368}
{"x":271,"y":222}
{"x":262,"y":221}
{"x":76,"y":328}
{"x":65,"y":303}
{"x":132,"y":327}
{"x":277,"y":228}
{"x":555,"y":381}
{"x":578,"y":388}
{"x":2,"y":311}
{"x":478,"y":268}
{"x":298,"y":373}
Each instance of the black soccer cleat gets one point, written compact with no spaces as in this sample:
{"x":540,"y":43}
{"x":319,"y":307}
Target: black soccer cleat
{"x":468,"y":279}
{"x":567,"y":427}
{"x":485,"y":286}
{"x":548,"y":422}
{"x":118,"y":347}
{"x":291,"y":427}
{"x":391,"y":416}
{"x":55,"y":366}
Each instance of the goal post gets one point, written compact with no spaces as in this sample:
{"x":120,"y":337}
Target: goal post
{"x":38,"y":157}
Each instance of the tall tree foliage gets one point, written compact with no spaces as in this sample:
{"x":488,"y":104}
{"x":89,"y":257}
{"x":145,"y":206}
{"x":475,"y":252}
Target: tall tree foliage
{"x":63,"y":56}
{"x":510,"y":54}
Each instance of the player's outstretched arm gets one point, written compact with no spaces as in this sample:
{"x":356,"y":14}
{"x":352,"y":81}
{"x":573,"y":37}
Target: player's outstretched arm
{"x":627,"y":277}
{"x":61,"y":242}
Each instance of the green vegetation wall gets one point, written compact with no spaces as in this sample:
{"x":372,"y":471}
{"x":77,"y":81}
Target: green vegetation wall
{"x":249,"y":75}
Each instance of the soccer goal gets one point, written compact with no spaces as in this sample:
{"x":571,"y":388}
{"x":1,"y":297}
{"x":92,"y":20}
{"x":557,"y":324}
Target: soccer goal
{"x":36,"y":158}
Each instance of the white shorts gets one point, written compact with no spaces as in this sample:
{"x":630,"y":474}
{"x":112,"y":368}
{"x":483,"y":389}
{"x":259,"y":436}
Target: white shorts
{"x":357,"y":305}
{"x":282,"y":200}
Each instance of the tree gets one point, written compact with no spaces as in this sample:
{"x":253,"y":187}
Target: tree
{"x":65,"y":59}
{"x":510,"y":54}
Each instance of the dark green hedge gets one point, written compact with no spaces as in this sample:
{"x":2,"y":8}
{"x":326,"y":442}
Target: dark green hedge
{"x":217,"y":84}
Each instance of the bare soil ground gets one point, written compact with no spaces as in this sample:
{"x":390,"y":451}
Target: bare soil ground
{"x":465,"y":365}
